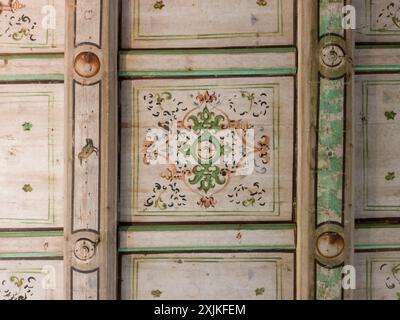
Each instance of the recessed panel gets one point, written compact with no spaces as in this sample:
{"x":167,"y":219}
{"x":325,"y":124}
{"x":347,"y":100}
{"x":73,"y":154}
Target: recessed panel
{"x":378,"y":276}
{"x":217,"y":23}
{"x":31,"y":280}
{"x":377,"y":20}
{"x":31,"y":156}
{"x":32,"y":26}
{"x":377,"y":171}
{"x":207,"y":149}
{"x":218,"y":277}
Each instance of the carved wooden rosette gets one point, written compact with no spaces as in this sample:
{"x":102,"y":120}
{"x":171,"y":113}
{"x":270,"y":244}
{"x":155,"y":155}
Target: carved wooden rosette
{"x":91,"y":100}
{"x":334,"y":219}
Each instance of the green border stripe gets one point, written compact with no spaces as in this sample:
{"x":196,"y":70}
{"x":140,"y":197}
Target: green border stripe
{"x":229,"y":248}
{"x":150,"y":52}
{"x":373,"y":68}
{"x":30,"y":255}
{"x":15,"y":56}
{"x":31,"y":234}
{"x":209,"y":227}
{"x":377,"y":46}
{"x":377,"y":226}
{"x":188,"y":73}
{"x":376,"y":246}
{"x":33,"y":77}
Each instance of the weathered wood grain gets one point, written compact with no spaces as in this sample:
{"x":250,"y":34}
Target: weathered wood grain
{"x":254,"y":276}
{"x":191,"y":24}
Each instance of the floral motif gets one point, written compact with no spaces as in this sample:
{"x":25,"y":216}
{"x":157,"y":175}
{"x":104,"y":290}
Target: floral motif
{"x":159,"y":5}
{"x":206,"y":120}
{"x":389,"y":17}
{"x":27,"y":188}
{"x":206,"y":176}
{"x":262,"y":3}
{"x":156,"y":293}
{"x":390,"y":176}
{"x":17,"y":288}
{"x":13,"y":6}
{"x":260,"y":291}
{"x":390,"y":115}
{"x":206,"y":97}
{"x":248,"y":196}
{"x":16,"y":26}
{"x":166,"y":196}
{"x":207,"y":202}
{"x":27,"y":126}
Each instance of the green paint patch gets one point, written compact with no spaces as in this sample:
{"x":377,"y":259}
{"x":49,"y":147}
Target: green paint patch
{"x":156,"y":293}
{"x":390,"y":176}
{"x":390,"y":115}
{"x":27,"y":188}
{"x":260,"y":291}
{"x":27,"y":126}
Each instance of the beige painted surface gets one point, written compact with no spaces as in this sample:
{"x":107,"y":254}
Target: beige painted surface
{"x":258,"y":276}
{"x":32,"y":155}
{"x":189,"y":24}
{"x":377,"y":171}
{"x":378,"y":276}
{"x":32,"y":26}
{"x":210,"y":238}
{"x":31,"y":280}
{"x":268,"y":185}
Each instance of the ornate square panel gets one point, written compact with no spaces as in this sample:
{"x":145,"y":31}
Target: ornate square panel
{"x":377,"y":20}
{"x":32,"y":25}
{"x":255,"y":276}
{"x":377,"y":171}
{"x":378,"y":276}
{"x":31,"y":280}
{"x":207,"y":149}
{"x":31,"y":156}
{"x":216,"y":23}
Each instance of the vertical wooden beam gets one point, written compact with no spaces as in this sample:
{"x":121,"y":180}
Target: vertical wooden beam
{"x":307,"y":13}
{"x":334,"y":218}
{"x":92,"y":141}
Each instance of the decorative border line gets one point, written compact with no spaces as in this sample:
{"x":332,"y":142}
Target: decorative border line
{"x":193,"y":73}
{"x":369,"y":18}
{"x":215,"y":227}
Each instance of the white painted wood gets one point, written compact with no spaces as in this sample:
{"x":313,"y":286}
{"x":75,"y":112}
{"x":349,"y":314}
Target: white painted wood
{"x":13,"y":67}
{"x":31,"y":280}
{"x":32,"y":26}
{"x":207,"y":238}
{"x":377,"y":21}
{"x":211,"y":61}
{"x":88,"y":15}
{"x":252,"y":276}
{"x":32,"y":153}
{"x":377,"y":276}
{"x":181,"y":23}
{"x":85,"y":285}
{"x":377,"y":57}
{"x":86,"y":164}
